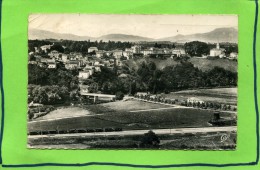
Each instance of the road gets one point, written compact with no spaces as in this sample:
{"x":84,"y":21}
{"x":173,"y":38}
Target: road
{"x":141,"y":132}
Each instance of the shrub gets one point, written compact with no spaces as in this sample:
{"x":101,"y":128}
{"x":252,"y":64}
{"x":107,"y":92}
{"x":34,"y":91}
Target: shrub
{"x":119,"y":95}
{"x":150,"y":140}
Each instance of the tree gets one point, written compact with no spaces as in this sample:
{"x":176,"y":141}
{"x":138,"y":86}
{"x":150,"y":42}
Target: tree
{"x":150,"y":140}
{"x":196,"y":48}
{"x":58,"y":48}
{"x":119,"y":95}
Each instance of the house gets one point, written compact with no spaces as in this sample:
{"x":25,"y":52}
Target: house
{"x":90,"y":69}
{"x":159,"y":51}
{"x":100,"y":53}
{"x":46,"y":60}
{"x":96,"y":63}
{"x":217,"y":52}
{"x":128,"y":54}
{"x":136,"y":49}
{"x":147,"y":52}
{"x":129,"y":49}
{"x":118,"y":54}
{"x":141,"y":93}
{"x":167,"y":51}
{"x":92,"y":49}
{"x":32,"y":62}
{"x":233,"y":55}
{"x":84,"y":88}
{"x":72,"y":64}
{"x":84,"y":74}
{"x":54,"y":54}
{"x":52,"y":65}
{"x":178,"y":52}
{"x":195,"y":100}
{"x":31,"y":53}
{"x":108,"y":53}
{"x":97,"y":68}
{"x":46,"y":47}
{"x":64,"y":58}
{"x":36,"y":49}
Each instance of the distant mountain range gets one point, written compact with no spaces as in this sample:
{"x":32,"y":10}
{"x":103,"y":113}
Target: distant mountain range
{"x":217,"y":35}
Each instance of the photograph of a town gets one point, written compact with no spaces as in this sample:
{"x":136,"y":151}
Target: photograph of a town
{"x":132,"y":81}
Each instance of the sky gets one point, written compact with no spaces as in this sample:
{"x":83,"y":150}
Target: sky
{"x":152,"y":26}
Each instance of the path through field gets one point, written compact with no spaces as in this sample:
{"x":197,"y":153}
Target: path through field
{"x":141,"y":132}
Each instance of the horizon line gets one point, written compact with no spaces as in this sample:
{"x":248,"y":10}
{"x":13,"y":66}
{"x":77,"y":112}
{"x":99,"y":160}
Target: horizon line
{"x":234,"y":27}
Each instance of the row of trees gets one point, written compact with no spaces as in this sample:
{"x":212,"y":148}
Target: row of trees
{"x":197,"y":48}
{"x":182,"y":76}
{"x":150,"y":79}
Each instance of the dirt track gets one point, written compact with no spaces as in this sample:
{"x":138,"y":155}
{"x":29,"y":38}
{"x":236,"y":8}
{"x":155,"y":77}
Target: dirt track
{"x":141,"y":132}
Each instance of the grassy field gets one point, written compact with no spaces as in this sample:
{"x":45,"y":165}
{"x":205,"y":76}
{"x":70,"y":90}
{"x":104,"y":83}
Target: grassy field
{"x":132,"y":105}
{"x":110,"y":115}
{"x":202,"y":63}
{"x":221,"y":95}
{"x":65,"y":112}
{"x":207,"y":64}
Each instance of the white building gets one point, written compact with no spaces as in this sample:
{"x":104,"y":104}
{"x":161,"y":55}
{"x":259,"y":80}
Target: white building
{"x":118,"y":54}
{"x":217,"y":51}
{"x":64,"y":57}
{"x":136,"y":49}
{"x":233,"y":55}
{"x":52,"y":65}
{"x":100,"y":53}
{"x":195,"y":100}
{"x":92,"y":49}
{"x":84,"y":74}
{"x":90,"y":69}
{"x":147,"y":52}
{"x":178,"y":52}
{"x":46,"y":47}
{"x":128,"y":54}
{"x":129,"y":49}
{"x":54,"y":54}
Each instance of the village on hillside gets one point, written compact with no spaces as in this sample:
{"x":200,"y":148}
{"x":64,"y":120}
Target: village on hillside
{"x":93,"y":59}
{"x":113,"y":93}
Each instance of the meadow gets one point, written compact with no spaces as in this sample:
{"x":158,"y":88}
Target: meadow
{"x":112,"y":116}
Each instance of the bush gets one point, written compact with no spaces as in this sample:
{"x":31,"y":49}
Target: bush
{"x":119,"y":95}
{"x":150,"y":140}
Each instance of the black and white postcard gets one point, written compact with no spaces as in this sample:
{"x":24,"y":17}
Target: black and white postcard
{"x":132,"y":81}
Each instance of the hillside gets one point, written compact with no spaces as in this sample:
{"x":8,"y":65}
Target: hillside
{"x":42,"y":35}
{"x":202,"y":63}
{"x":217,"y":35}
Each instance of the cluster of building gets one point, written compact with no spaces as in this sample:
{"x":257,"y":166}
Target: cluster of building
{"x":96,"y":58}
{"x":92,"y":62}
{"x":129,"y":53}
{"x":220,"y":52}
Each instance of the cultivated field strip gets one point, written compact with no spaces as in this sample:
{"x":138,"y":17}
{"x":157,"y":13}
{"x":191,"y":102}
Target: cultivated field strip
{"x":141,"y":132}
